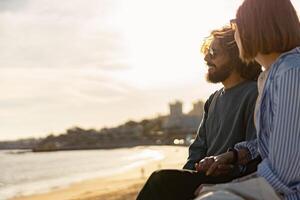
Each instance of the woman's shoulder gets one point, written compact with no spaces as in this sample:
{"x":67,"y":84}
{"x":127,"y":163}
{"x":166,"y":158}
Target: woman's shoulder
{"x":287,"y":62}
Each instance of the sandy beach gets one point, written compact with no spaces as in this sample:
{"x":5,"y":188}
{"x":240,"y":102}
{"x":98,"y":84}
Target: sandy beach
{"x":123,"y":186}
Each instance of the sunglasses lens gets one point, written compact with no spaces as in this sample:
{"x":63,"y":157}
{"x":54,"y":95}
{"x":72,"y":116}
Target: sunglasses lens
{"x":233,"y":24}
{"x":211,"y":52}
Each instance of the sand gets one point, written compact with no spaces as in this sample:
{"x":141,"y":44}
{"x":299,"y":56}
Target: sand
{"x":123,"y":186}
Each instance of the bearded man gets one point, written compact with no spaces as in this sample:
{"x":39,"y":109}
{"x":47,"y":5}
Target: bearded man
{"x":228,"y":113}
{"x":227,"y":120}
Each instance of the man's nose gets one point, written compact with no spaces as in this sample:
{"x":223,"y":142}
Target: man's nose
{"x":207,"y":57}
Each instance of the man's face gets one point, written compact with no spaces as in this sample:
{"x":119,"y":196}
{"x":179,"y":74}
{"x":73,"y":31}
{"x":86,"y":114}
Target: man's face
{"x":218,"y":62}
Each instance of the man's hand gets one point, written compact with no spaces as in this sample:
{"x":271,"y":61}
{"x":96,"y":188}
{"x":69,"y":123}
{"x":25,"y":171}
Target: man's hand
{"x":204,"y":164}
{"x":216,"y":165}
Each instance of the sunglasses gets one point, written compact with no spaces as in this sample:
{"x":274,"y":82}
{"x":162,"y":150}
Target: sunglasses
{"x":211,"y":52}
{"x":233,"y":24}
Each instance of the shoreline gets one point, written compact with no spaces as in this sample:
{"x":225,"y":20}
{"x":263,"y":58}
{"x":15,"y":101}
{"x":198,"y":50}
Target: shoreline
{"x":117,"y":186}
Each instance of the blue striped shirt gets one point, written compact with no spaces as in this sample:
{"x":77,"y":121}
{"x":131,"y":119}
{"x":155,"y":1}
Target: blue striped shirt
{"x":278,"y":127}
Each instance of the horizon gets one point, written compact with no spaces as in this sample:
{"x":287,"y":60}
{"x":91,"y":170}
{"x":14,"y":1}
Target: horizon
{"x":99,"y":64}
{"x":99,"y":129}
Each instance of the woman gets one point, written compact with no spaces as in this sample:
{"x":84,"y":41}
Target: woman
{"x":268,"y":31}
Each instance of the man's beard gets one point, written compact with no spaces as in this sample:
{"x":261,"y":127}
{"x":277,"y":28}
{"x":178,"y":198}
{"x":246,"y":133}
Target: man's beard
{"x":219,"y":74}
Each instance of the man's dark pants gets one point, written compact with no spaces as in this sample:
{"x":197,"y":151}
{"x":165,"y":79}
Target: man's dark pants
{"x":177,"y":184}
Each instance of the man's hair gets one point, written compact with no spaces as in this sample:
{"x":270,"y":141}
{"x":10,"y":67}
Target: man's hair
{"x":225,"y":35}
{"x":267,"y":26}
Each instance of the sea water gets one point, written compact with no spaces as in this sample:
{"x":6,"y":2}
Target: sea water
{"x":24,"y":172}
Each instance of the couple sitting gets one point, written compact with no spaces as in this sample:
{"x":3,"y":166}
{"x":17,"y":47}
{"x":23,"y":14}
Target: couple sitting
{"x":267,"y":31}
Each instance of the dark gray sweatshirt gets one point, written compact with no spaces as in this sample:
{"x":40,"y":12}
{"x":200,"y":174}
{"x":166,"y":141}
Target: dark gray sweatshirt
{"x":226,"y":121}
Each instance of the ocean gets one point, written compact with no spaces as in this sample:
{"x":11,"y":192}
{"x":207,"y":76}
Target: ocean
{"x":24,"y":172}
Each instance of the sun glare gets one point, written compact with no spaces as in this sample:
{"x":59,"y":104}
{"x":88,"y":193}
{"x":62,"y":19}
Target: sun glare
{"x":163,"y":41}
{"x":101,"y":63}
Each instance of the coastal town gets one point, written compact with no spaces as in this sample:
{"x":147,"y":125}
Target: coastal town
{"x":176,"y":128}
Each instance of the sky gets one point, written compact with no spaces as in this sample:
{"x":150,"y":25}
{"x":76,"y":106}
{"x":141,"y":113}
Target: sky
{"x":100,"y":63}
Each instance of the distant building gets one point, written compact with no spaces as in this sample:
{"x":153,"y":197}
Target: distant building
{"x":177,"y":119}
{"x":176,"y":109}
{"x":197,"y":109}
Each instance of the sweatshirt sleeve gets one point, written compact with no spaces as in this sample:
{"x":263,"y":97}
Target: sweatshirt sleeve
{"x":198,"y":148}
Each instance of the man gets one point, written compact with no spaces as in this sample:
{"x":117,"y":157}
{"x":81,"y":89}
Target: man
{"x":228,"y":113}
{"x":227,"y":120}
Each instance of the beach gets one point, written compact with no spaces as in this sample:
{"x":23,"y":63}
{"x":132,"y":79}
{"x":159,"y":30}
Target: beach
{"x":120,"y":186}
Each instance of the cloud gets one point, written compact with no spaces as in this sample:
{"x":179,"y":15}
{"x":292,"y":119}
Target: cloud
{"x":60,"y":34}
{"x":39,"y":100}
{"x":35,"y":87}
{"x":12,"y":5}
{"x":54,"y":62}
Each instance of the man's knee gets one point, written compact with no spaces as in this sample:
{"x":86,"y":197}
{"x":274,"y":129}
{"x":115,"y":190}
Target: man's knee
{"x":157,"y":177}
